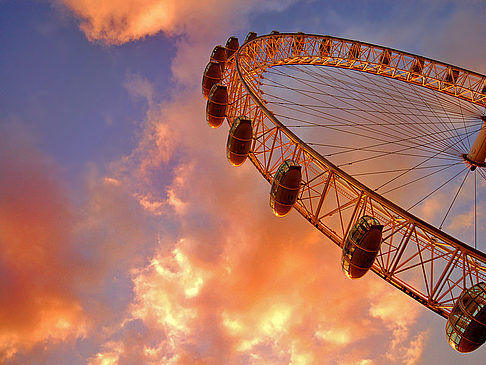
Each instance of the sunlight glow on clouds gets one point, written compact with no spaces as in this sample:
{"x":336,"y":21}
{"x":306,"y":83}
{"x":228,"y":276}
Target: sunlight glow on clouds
{"x":121,"y":21}
{"x":227,"y":282}
{"x":239,"y":287}
{"x":35,"y":222}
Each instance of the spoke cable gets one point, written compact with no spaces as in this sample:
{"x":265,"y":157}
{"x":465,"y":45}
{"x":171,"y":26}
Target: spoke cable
{"x":453,"y":200}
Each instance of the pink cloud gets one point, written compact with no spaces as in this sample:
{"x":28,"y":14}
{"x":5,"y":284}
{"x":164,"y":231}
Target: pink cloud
{"x":121,"y":21}
{"x":243,"y":285}
{"x":61,"y":251}
{"x":237,"y":285}
{"x":37,"y":298}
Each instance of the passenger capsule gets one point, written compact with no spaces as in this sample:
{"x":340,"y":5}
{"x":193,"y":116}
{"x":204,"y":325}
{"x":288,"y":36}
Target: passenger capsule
{"x":239,"y":141}
{"x":250,"y":36}
{"x":232,"y":46}
{"x":325,"y":47}
{"x":354,"y":51}
{"x":285,"y":188}
{"x":385,"y":57}
{"x":219,"y":56}
{"x":216,"y":106}
{"x":417,"y":66}
{"x":272,"y":44}
{"x":211,"y":76}
{"x":361,"y":247}
{"x":466,"y":325}
{"x":452,"y":75}
{"x":297,"y":44}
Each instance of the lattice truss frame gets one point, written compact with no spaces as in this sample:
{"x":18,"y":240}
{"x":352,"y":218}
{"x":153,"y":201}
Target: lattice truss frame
{"x":422,"y":261}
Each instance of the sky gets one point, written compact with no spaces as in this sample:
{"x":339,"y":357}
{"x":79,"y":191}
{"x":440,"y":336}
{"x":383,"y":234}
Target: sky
{"x":125,"y":235}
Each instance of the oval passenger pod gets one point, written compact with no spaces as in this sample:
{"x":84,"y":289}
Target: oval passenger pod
{"x":298,"y":44}
{"x":361,"y":247}
{"x":211,"y":76}
{"x":232,"y":45}
{"x":466,"y":325}
{"x":239,"y":141}
{"x":216,"y":105}
{"x":250,"y":36}
{"x":272,"y":44}
{"x":219,"y":56}
{"x":325,"y":47}
{"x":285,"y":187}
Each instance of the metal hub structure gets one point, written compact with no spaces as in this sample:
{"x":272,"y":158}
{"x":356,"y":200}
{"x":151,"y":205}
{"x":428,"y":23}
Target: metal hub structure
{"x":416,"y":257}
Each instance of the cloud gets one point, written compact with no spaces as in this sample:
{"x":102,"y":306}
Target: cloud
{"x":238,"y":284}
{"x":64,"y":250}
{"x":139,"y":87}
{"x":37,"y":297}
{"x":121,"y":21}
{"x":232,"y":283}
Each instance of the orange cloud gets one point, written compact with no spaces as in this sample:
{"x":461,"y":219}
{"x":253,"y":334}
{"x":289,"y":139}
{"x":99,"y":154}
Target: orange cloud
{"x":272,"y":296}
{"x":238,"y":285}
{"x":117,"y":22}
{"x":37,"y":300}
{"x":62,"y":252}
{"x":241,"y":285}
{"x":121,"y":21}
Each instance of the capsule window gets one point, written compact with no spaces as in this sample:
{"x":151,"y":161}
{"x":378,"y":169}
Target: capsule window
{"x":417,"y":65}
{"x":297,"y":44}
{"x":250,"y":36}
{"x":285,"y":187}
{"x":465,"y":328}
{"x":452,"y":75}
{"x":385,"y":57}
{"x":325,"y":47}
{"x":231,"y":46}
{"x":354,"y":51}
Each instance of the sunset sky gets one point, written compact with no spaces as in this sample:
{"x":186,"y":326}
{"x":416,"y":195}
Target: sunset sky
{"x":127,"y":238}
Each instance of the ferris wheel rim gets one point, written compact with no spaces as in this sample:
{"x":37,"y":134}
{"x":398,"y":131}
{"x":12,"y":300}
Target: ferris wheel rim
{"x":322,"y":160}
{"x":323,"y":36}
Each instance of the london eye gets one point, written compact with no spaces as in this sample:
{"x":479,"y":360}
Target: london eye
{"x":381,"y":150}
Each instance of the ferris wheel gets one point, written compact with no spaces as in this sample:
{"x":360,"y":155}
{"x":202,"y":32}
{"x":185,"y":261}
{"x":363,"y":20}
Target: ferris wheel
{"x":381,"y":150}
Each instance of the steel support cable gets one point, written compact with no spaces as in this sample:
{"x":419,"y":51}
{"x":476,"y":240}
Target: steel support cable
{"x":420,"y":95}
{"x":419,"y":146}
{"x":327,"y":125}
{"x":396,"y":93}
{"x":319,"y":100}
{"x":413,"y":167}
{"x":420,"y":178}
{"x":405,"y":169}
{"x":431,"y":127}
{"x":461,"y":121}
{"x":404,"y":88}
{"x":440,"y":187}
{"x":412,"y":104}
{"x":452,"y":157}
{"x":464,"y":124}
{"x":355,"y":124}
{"x":453,"y":136}
{"x":384,"y":99}
{"x":453,"y":200}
